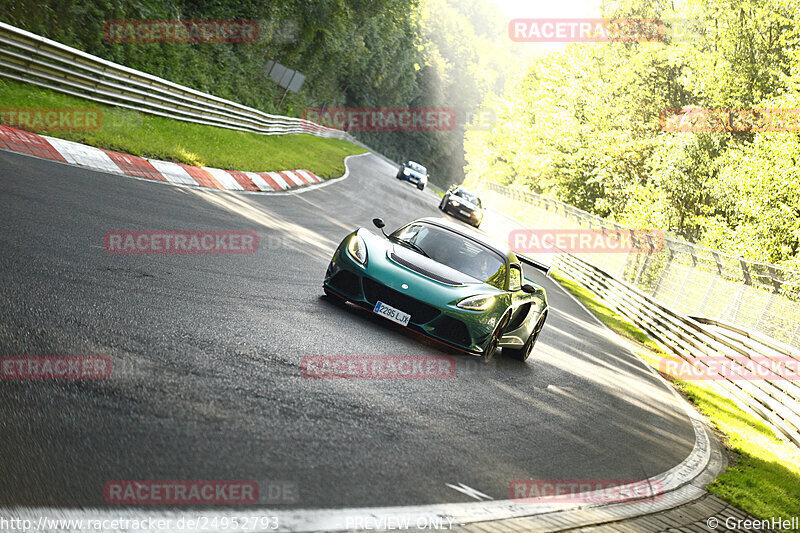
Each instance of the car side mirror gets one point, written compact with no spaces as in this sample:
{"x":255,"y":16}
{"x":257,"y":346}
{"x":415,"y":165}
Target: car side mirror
{"x":530,"y":289}
{"x":380,"y":224}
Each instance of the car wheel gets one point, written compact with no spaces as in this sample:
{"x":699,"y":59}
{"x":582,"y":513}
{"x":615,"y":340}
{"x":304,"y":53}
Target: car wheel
{"x":420,"y":186}
{"x":521,"y":354}
{"x":443,"y":203}
{"x":477,"y":225}
{"x":491,"y":348}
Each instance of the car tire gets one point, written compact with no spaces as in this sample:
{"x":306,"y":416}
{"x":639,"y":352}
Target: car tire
{"x":491,"y":347}
{"x":522,"y":354}
{"x":477,"y":225}
{"x":444,"y":201}
{"x":420,"y":186}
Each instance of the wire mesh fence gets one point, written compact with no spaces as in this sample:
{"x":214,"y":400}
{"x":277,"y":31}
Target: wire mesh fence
{"x":689,"y":279}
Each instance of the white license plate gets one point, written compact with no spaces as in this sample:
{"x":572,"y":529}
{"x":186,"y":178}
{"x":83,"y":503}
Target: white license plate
{"x":395,"y":315}
{"x":465,"y":213}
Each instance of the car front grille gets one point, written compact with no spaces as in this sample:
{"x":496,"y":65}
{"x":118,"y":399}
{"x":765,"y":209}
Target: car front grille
{"x":420,"y":312}
{"x":347,"y":283}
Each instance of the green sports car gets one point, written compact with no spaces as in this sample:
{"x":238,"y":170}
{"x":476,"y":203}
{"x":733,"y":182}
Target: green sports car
{"x":445,"y":281}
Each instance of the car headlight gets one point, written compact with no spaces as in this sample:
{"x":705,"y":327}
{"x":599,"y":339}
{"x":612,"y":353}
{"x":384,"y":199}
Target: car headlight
{"x":357,"y":249}
{"x":480,"y":302}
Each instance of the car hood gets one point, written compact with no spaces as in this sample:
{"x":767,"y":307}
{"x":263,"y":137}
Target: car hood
{"x":395,"y":265}
{"x":428,"y":267}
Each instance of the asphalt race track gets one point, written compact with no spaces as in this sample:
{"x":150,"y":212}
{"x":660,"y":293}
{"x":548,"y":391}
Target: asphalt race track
{"x":206,"y":353}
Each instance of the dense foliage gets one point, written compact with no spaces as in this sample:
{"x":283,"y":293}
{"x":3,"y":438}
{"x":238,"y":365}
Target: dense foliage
{"x":355,"y":53}
{"x":583,"y":125}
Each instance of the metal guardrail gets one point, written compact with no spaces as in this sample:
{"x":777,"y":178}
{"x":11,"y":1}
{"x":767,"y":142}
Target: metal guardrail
{"x":690,"y":279}
{"x":30,"y":58}
{"x":748,"y":337}
{"x":774,"y":399}
{"x":769,"y":396}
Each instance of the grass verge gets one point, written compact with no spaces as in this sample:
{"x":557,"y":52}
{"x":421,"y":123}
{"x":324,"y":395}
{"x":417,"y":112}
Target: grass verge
{"x":764,"y":475}
{"x":146,"y":135}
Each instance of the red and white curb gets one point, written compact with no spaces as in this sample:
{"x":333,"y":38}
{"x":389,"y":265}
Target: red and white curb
{"x":74,"y":153}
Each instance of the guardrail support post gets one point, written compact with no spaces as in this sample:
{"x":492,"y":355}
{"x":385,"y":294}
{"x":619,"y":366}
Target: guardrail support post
{"x":773,"y":277}
{"x":745,"y":272}
{"x":715,"y":255}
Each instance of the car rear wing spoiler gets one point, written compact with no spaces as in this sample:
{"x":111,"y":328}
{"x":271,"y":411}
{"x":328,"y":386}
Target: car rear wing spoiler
{"x":535,"y":264}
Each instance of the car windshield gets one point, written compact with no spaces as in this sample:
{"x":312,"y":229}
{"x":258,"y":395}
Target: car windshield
{"x":458,"y":252}
{"x":468,"y":196}
{"x":416,"y":167}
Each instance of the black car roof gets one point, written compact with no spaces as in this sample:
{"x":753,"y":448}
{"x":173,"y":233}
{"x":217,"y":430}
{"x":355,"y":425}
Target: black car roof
{"x":482,"y":238}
